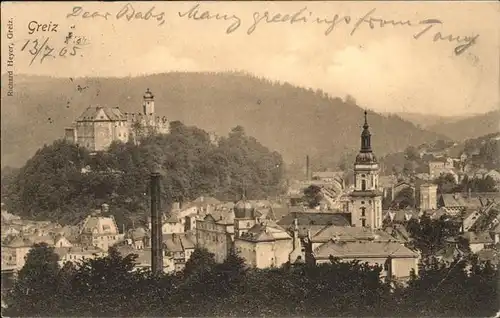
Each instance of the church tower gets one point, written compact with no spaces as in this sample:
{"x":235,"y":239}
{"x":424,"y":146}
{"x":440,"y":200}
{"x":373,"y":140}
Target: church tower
{"x":148,"y":104}
{"x":366,"y":199}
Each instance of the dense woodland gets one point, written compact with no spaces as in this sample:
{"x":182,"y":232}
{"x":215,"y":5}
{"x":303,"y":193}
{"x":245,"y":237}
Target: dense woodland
{"x":52,"y":185}
{"x":294,"y":121}
{"x":108,"y":286}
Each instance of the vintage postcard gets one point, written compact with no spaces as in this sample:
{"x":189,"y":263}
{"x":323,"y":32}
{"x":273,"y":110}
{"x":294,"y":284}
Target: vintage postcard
{"x":248,"y":159}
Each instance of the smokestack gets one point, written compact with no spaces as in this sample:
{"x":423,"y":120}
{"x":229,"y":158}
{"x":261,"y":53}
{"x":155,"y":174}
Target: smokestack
{"x":307,"y":168}
{"x":156,"y":222}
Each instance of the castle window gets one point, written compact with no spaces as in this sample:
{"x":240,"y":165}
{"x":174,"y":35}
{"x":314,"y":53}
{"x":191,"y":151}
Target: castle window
{"x":363,"y":175}
{"x":363,"y":222}
{"x":370,"y":201}
{"x":362,"y":202}
{"x":363,"y":212}
{"x":363,"y":185}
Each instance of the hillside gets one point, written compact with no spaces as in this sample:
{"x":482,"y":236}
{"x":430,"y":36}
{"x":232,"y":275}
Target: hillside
{"x":429,"y":120}
{"x":292,"y":120}
{"x":471,"y":127}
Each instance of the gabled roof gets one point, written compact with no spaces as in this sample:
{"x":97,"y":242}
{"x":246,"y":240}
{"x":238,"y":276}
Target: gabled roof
{"x":110,"y":113}
{"x":365,"y":249}
{"x":400,"y":215}
{"x":178,"y":242}
{"x":221,"y":216}
{"x":263,"y":232}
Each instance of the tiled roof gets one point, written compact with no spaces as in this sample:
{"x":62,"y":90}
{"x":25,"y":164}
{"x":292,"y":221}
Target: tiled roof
{"x":177,"y":242}
{"x":279,"y":212}
{"x":348,"y":233}
{"x":222,"y":216}
{"x":365,"y":249}
{"x":19,"y":242}
{"x":101,"y":225}
{"x":268,"y":231}
{"x":459,"y":200}
{"x":113,"y":114}
{"x":489,"y":254}
{"x":306,"y":218}
{"x":478,"y":238}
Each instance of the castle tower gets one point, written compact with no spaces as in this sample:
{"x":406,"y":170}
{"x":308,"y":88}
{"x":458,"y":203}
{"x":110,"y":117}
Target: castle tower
{"x":148,"y":104}
{"x":366,"y":199}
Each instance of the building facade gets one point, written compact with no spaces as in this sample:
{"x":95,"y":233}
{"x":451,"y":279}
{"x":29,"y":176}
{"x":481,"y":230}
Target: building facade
{"x":428,"y":197}
{"x":366,"y":199}
{"x":99,"y":126}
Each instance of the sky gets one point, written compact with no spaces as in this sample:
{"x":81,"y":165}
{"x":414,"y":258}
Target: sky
{"x":385,"y":68}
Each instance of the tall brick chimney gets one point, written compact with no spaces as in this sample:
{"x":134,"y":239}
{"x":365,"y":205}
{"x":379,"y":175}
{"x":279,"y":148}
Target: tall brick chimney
{"x":156,"y":223}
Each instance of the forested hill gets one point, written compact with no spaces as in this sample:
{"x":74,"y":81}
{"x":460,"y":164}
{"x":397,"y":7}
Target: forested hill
{"x":292,"y":120}
{"x":62,"y":181}
{"x":472,"y":127}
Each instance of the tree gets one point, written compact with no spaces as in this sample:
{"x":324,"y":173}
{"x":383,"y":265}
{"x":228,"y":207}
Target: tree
{"x":446,"y":183}
{"x":405,"y":198}
{"x":35,"y":291}
{"x":411,"y":153}
{"x":102,"y":285}
{"x":200,"y":261}
{"x":429,"y":236}
{"x":313,"y":195}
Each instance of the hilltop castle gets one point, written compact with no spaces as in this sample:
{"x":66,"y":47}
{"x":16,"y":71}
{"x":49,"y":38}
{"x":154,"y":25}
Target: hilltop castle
{"x":99,"y":126}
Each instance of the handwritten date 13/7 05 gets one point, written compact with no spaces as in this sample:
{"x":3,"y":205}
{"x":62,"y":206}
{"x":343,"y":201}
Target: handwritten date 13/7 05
{"x":43,"y":48}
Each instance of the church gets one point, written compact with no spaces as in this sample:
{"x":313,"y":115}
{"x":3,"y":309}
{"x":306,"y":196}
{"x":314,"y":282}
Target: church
{"x":366,"y":199}
{"x":97,"y":127}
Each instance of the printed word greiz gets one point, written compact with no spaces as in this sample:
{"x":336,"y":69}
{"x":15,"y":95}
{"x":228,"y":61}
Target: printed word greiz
{"x":35,"y":26}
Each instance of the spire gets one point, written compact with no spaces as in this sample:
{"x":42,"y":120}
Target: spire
{"x":366,"y":136}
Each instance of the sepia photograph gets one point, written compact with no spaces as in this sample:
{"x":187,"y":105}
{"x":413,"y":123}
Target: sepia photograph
{"x":250,"y":159}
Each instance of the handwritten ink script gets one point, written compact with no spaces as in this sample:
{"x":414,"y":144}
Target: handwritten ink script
{"x":127,"y":12}
{"x":426,"y":28}
{"x":50,"y":44}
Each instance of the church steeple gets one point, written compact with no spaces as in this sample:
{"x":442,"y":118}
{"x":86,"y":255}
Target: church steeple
{"x":366,"y":137}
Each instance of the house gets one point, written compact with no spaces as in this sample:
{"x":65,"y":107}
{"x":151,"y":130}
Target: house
{"x":450,"y":252}
{"x":9,"y":230}
{"x":455,"y":203}
{"x":143,"y":260}
{"x":172,"y":224}
{"x":216,"y":233}
{"x":328,"y":176}
{"x":100,"y":231}
{"x":469,"y":218}
{"x":177,"y":249}
{"x":396,"y":260}
{"x":437,"y":214}
{"x":442,"y":166}
{"x":494,"y":174}
{"x":77,"y":254}
{"x":57,"y":240}
{"x":478,"y":240}
{"x":267,"y":244}
{"x":138,"y":238}
{"x":14,"y":252}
